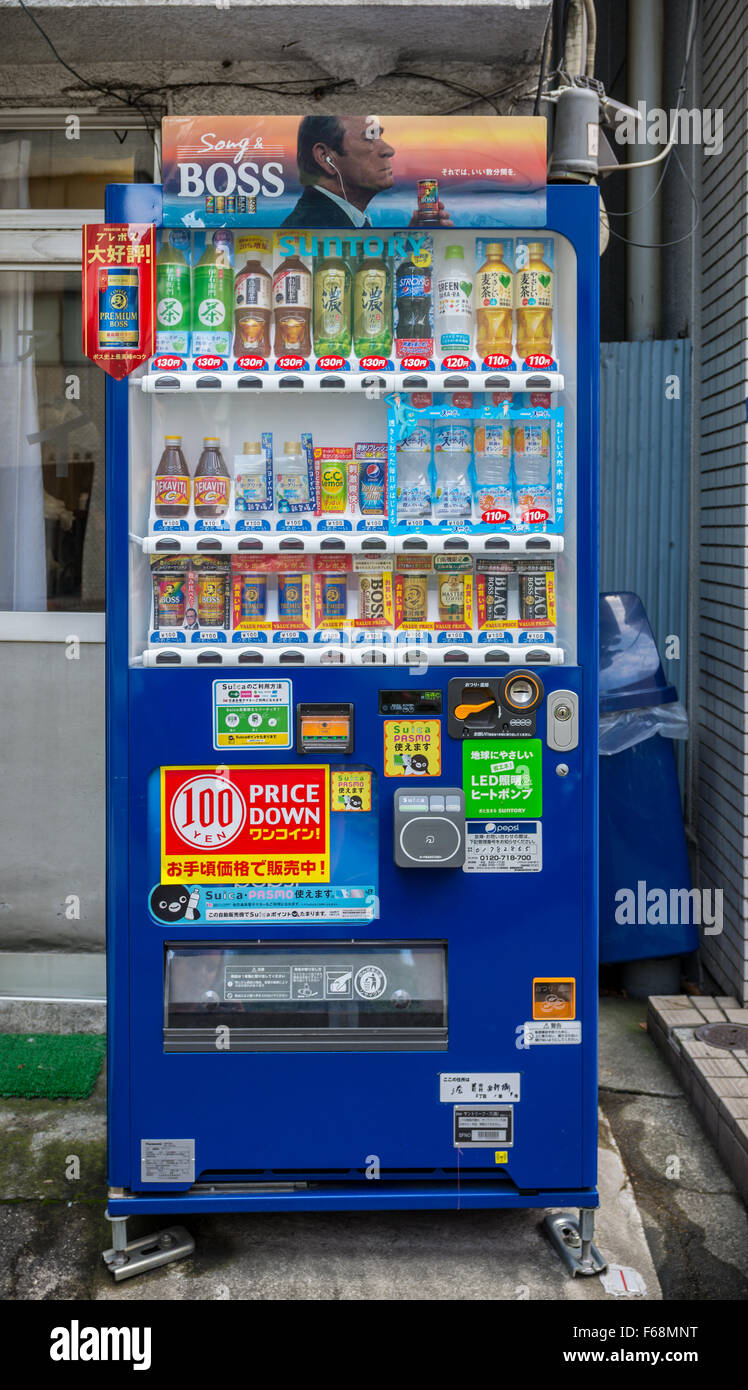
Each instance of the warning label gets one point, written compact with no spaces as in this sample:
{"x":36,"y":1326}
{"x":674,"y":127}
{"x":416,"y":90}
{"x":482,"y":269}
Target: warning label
{"x":503,"y":847}
{"x":552,"y":1031}
{"x":276,"y":982}
{"x":484,"y":1128}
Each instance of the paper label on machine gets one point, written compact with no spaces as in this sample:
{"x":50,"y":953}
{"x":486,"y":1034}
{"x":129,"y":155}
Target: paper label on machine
{"x":479,"y":1087}
{"x":503,"y":847}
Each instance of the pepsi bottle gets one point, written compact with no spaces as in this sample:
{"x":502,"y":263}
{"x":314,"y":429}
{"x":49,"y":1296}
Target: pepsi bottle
{"x":413,"y":296}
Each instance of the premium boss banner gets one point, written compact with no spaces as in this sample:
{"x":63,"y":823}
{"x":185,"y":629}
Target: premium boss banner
{"x":354,"y":171}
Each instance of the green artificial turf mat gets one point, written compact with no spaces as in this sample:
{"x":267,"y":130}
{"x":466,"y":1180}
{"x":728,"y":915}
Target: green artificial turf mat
{"x":51,"y":1065}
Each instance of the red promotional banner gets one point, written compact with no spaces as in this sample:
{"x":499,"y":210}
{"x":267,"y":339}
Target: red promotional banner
{"x":248,"y":824}
{"x":119,"y":295}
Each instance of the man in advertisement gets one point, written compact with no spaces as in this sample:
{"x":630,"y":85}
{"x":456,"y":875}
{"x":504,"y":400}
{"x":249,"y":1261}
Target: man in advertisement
{"x":344,"y":161}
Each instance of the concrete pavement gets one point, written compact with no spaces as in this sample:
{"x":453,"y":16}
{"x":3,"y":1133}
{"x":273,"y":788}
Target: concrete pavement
{"x":52,"y":1229}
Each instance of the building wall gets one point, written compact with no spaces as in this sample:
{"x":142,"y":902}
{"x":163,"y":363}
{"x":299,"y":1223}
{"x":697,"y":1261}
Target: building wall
{"x":419,"y":56}
{"x":721,"y":778}
{"x":645,"y":426}
{"x":52,"y":809}
{"x":426,"y":58}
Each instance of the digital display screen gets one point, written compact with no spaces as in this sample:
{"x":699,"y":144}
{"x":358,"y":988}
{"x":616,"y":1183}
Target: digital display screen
{"x":408,"y":702}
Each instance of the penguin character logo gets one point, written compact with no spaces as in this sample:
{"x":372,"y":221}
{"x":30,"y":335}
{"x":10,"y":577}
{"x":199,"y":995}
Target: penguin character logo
{"x":415,"y":765}
{"x":168,"y":902}
{"x":353,"y":803}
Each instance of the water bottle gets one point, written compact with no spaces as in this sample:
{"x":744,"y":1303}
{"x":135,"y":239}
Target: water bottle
{"x":413,"y":470}
{"x":452,"y":450}
{"x":532,"y":472}
{"x":493,"y":464}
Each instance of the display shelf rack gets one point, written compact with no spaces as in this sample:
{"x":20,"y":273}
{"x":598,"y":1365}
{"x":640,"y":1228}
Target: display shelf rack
{"x":370,"y":385}
{"x":405,"y":654}
{"x":349,"y":542}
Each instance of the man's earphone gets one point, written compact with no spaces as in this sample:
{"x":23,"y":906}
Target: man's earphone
{"x":336,"y":170}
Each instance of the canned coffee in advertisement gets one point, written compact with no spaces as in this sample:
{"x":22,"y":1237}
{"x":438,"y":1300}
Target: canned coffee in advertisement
{"x":428,"y":201}
{"x":119,"y":324}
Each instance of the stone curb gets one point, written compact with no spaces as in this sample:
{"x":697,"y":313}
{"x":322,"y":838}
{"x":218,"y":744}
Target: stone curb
{"x":714,"y":1079}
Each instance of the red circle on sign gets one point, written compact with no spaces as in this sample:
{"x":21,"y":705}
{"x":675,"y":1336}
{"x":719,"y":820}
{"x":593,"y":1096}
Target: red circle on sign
{"x":207,"y":812}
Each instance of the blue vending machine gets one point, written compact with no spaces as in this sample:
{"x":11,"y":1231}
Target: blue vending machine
{"x":352,"y":719}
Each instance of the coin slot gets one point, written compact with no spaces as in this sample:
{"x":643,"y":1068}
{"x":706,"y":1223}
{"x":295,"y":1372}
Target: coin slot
{"x":521,"y":692}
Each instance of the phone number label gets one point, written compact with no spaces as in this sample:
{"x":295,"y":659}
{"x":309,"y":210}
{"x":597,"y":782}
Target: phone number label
{"x":503,"y":847}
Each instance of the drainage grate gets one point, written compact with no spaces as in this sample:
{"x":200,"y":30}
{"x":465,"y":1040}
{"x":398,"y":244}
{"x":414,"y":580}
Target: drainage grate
{"x":730,"y":1036}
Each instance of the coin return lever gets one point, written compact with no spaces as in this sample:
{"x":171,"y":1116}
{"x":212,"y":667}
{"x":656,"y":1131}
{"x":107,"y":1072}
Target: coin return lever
{"x":473,"y":707}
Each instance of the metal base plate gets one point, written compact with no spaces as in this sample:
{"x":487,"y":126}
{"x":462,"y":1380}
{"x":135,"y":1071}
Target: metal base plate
{"x":564,"y":1235}
{"x":149,"y":1252}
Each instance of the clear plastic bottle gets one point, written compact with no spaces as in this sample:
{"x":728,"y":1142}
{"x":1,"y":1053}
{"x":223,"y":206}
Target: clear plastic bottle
{"x":292,"y":478}
{"x":413,"y":474}
{"x":454,"y":304}
{"x":332,"y":307}
{"x":494,"y":299}
{"x":292,"y":308}
{"x":493,"y":464}
{"x":173,"y":292}
{"x":252,"y":296}
{"x":533,"y":292}
{"x":372,"y":307}
{"x":452,"y":451}
{"x":213,"y":296}
{"x":250,"y":480}
{"x":532,"y":471}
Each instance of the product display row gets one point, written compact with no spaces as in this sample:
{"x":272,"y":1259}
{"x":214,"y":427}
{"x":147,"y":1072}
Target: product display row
{"x":445,"y":299}
{"x":456,"y":474}
{"x":198,"y":598}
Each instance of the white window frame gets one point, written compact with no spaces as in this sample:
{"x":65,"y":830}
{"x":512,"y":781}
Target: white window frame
{"x":49,"y":239}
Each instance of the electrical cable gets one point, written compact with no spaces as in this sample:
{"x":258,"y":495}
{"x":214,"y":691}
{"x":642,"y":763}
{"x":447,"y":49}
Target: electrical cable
{"x":447,"y":82}
{"x":656,"y":159}
{"x":632,"y":211}
{"x":589,"y":66}
{"x":147,"y":115}
{"x":543,"y":61}
{"x":660,"y":245}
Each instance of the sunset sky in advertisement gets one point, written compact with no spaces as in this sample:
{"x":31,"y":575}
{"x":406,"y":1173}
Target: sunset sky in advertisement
{"x":242,"y":170}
